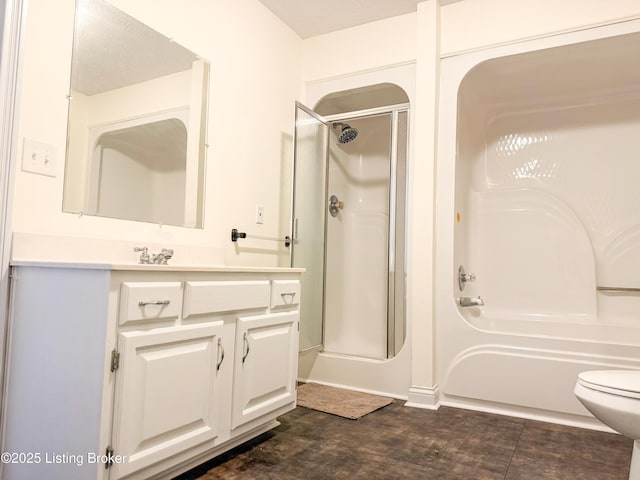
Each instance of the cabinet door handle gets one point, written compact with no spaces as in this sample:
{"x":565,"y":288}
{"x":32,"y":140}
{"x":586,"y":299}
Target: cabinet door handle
{"x":221,"y":349}
{"x":153,"y":302}
{"x":246,"y":342}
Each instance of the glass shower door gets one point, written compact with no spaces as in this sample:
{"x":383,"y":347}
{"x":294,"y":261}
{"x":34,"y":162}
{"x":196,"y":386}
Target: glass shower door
{"x":311,"y":142}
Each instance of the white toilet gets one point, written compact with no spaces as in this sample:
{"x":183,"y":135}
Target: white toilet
{"x":613,"y":397}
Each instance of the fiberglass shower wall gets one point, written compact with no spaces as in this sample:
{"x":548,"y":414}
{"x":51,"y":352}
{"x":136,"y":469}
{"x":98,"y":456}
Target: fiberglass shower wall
{"x":551,"y":182}
{"x":360,"y":299}
{"x":537,"y":196}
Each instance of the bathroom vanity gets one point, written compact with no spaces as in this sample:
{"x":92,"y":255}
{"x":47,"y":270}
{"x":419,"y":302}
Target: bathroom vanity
{"x":144,"y":371}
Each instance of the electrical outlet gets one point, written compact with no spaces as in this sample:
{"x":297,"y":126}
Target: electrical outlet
{"x":38,"y":157}
{"x":259,"y":213}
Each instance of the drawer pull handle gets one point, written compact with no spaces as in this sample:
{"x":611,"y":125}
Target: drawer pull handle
{"x":246,"y":342}
{"x":154,"y":302}
{"x":286,"y":294}
{"x":220,"y":347}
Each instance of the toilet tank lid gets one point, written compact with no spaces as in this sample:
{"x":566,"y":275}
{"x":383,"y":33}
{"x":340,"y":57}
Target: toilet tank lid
{"x":623,"y":380}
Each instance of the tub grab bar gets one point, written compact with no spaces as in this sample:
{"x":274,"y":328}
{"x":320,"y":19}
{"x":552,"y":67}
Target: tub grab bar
{"x":618,"y":289}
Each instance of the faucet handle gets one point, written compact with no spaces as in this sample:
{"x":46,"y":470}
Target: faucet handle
{"x":144,"y":256}
{"x":469,"y":277}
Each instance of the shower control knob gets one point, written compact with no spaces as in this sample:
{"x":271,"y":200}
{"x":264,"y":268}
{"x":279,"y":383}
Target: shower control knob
{"x":464,"y":277}
{"x":335,"y":205}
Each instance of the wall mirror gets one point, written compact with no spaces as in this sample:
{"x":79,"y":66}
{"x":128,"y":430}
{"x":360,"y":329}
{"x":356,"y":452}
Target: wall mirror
{"x":136,"y":133}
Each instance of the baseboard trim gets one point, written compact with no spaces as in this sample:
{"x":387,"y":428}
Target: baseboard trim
{"x":355,"y":389}
{"x":424,"y":397}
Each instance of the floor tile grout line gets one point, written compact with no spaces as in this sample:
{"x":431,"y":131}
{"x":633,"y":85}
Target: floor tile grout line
{"x":515,"y":448}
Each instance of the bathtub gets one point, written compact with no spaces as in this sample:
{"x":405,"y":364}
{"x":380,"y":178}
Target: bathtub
{"x":538,"y":195}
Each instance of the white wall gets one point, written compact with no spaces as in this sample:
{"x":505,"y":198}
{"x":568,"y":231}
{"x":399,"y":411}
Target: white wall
{"x":473,"y":24}
{"x":369,"y":46}
{"x":255,"y":78}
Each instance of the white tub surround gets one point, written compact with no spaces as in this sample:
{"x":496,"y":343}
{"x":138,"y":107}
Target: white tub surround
{"x":161,"y":367}
{"x":537,"y":196}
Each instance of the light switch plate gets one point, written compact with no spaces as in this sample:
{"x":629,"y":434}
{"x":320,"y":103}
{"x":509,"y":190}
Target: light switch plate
{"x":259,"y":213}
{"x":38,"y":157}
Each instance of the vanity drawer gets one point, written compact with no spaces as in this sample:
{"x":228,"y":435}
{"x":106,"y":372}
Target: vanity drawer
{"x":285,"y":292}
{"x":149,"y":301}
{"x":212,"y":297}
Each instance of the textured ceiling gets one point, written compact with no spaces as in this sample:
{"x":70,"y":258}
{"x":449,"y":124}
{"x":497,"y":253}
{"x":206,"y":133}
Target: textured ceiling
{"x":309,"y":18}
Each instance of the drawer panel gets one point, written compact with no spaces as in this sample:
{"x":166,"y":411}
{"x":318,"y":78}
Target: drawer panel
{"x":285,"y":292}
{"x":212,"y":297}
{"x":141,"y":301}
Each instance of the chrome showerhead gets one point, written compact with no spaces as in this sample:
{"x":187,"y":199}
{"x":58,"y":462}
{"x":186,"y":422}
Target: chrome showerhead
{"x":347,"y":132}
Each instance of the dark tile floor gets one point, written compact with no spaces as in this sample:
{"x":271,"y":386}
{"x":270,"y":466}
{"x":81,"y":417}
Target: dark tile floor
{"x":399,"y":442}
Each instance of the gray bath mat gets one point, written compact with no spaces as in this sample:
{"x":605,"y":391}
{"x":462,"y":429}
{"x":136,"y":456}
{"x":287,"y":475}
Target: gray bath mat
{"x":344,"y":403}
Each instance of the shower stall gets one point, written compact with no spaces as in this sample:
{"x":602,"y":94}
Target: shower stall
{"x":349,"y":223}
{"x":538,"y":232}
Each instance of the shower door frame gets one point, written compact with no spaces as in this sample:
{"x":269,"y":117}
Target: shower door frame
{"x":294,"y":219}
{"x":394,"y":111}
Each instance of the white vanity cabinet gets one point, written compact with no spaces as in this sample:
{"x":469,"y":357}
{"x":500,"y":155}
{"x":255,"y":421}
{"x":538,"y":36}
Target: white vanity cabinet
{"x":168,"y":393}
{"x":265,"y":354}
{"x":157,"y":369}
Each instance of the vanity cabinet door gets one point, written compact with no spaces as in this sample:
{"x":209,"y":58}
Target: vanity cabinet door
{"x":166,"y":393}
{"x":265,"y":365}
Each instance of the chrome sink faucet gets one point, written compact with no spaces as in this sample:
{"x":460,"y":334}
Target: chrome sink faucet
{"x":162,"y":257}
{"x":157,"y":258}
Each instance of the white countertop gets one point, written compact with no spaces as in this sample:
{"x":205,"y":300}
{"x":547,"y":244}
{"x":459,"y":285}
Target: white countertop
{"x":149,"y":268}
